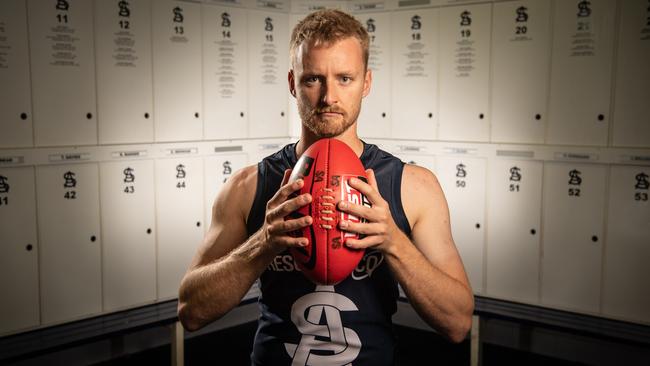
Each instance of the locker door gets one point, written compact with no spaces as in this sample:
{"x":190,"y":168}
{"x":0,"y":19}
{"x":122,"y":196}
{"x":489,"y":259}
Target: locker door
{"x":179,"y":206}
{"x":177,"y":71}
{"x":415,"y":74}
{"x":583,"y":43}
{"x":63,"y":72}
{"x":129,"y":245}
{"x":124,"y":80}
{"x":464,"y":72}
{"x":574,"y":202}
{"x":463,"y":181}
{"x":514,"y":214}
{"x":268,"y":54}
{"x":520,"y":65}
{"x":375,"y":117}
{"x":70,"y":241}
{"x":632,"y":91}
{"x":626,"y":271}
{"x":217,"y":170}
{"x":15,"y":92}
{"x":18,"y":250}
{"x":225,"y":72}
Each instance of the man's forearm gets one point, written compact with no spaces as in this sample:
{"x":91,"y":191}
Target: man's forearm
{"x":442,"y":301}
{"x":208,"y":292}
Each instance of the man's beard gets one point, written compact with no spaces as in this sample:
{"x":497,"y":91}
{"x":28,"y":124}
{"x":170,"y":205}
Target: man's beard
{"x":329,"y":127}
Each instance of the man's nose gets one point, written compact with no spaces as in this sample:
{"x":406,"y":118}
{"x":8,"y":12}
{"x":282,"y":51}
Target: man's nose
{"x":329,"y":93}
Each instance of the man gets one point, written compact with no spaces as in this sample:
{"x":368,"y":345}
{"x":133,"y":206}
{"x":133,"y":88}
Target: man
{"x":407,"y":233}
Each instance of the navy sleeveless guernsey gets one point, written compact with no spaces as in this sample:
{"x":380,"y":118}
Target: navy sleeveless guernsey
{"x":349,"y":323}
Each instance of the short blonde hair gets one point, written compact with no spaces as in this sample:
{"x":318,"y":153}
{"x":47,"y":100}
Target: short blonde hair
{"x":326,"y":26}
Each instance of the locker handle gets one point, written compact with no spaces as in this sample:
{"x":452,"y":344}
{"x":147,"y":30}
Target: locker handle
{"x":594,"y":238}
{"x":601,"y":117}
{"x":383,"y":115}
{"x":89,"y":115}
{"x":198,"y":223}
{"x":480,"y":116}
{"x":148,"y":230}
{"x":93,"y":238}
{"x":538,"y":116}
{"x":533,"y":231}
{"x":23,"y":116}
{"x":281,"y":114}
{"x":196,"y":115}
{"x":29,"y":247}
{"x":478,"y":226}
{"x":430,"y":115}
{"x":241,"y":114}
{"x":146,"y":115}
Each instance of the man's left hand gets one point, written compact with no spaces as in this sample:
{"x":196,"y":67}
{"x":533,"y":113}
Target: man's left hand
{"x":380,"y":229}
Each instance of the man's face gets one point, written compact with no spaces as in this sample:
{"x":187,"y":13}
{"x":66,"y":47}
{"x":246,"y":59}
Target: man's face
{"x":330,"y":81}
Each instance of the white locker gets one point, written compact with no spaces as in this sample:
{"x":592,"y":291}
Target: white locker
{"x":627,"y":250}
{"x":415,"y":74}
{"x":124,"y":79}
{"x":179,"y":207}
{"x":463,"y":182}
{"x":572,"y":251}
{"x":15,"y":92}
{"x":225,"y":72}
{"x":513,"y":224}
{"x":177,"y":71}
{"x":217,"y":170}
{"x":69,"y":232}
{"x":520,"y":66}
{"x":268,"y":65}
{"x":583,"y":41}
{"x":465,"y":73}
{"x":18,"y":250}
{"x":632,"y":91}
{"x":62,"y":60}
{"x":375,"y":118}
{"x":128,"y":233}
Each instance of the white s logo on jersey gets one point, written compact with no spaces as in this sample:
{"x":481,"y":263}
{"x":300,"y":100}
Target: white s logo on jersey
{"x":342,"y":344}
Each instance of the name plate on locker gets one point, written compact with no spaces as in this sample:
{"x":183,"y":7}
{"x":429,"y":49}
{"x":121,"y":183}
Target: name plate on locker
{"x":69,"y":157}
{"x":11,"y":160}
{"x":269,"y":146}
{"x":459,"y":151}
{"x":516,"y":153}
{"x":182,"y":151}
{"x":227,"y":2}
{"x":220,"y":149}
{"x":277,"y":5}
{"x":624,"y":158}
{"x":408,"y":3}
{"x":407,"y":148}
{"x":575,"y":156}
{"x":129,"y":154}
{"x":368,"y":6}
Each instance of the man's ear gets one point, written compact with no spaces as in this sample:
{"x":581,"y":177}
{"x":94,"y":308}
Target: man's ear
{"x":292,"y":85}
{"x":367,"y":82}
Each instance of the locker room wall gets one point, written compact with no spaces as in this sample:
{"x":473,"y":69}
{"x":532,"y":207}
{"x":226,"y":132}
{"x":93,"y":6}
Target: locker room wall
{"x":121,"y":120}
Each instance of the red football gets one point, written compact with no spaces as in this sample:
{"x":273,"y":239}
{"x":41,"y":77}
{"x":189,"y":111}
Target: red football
{"x":326,"y":167}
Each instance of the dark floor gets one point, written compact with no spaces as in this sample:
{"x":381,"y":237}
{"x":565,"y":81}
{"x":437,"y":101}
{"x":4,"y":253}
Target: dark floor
{"x":415,"y":347}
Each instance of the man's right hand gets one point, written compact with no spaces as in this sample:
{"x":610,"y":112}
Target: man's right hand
{"x":276,"y":230}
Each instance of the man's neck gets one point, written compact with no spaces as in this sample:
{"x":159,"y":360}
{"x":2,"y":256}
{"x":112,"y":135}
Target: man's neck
{"x":350,"y":137}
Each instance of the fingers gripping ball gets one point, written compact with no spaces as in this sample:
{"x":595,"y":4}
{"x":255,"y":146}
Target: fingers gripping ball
{"x":326,"y":167}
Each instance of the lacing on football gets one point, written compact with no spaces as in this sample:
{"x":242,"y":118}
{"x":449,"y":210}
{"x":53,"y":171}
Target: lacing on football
{"x":327,"y":209}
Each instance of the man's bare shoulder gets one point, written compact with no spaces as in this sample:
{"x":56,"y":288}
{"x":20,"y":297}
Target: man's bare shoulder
{"x":238,"y":193}
{"x":421,"y":192}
